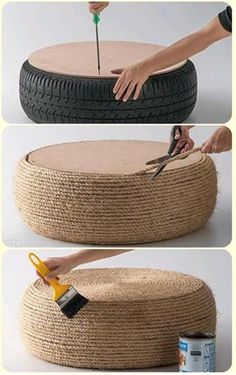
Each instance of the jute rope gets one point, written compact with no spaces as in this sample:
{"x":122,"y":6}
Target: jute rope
{"x":133,"y":319}
{"x":113,"y":208}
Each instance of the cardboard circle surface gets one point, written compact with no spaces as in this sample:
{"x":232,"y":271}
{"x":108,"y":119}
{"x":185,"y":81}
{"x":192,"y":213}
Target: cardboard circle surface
{"x":105,"y":157}
{"x":80,"y":58}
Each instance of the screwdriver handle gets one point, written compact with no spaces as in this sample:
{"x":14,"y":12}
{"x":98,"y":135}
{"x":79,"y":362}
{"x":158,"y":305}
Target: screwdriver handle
{"x":96,"y":18}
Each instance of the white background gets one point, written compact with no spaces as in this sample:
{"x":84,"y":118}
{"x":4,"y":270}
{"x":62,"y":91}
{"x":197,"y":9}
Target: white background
{"x":31,"y":26}
{"x":213,"y":266}
{"x":19,"y":140}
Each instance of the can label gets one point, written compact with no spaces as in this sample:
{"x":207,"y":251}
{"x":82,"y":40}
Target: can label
{"x":196,"y":355}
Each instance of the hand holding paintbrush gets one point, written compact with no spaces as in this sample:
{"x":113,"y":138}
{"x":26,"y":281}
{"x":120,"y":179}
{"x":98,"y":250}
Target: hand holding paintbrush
{"x":61,"y":265}
{"x":66,"y":296}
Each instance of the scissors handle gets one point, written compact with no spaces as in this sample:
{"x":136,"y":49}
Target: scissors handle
{"x":174,"y":141}
{"x":172,"y":146}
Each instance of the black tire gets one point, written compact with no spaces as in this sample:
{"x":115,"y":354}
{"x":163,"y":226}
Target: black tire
{"x":53,"y":98}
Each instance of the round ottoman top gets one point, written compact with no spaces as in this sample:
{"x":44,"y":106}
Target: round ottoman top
{"x":80,"y":58}
{"x":128,"y":284}
{"x":105,"y":157}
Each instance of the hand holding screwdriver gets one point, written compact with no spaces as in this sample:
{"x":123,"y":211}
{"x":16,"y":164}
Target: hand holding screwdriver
{"x":96,"y":7}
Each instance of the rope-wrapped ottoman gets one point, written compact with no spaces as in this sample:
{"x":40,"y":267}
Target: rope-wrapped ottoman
{"x":61,"y":84}
{"x":133,"y":319}
{"x":100,"y":192}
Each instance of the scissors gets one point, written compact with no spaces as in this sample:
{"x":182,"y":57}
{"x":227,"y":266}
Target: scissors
{"x":173,"y":143}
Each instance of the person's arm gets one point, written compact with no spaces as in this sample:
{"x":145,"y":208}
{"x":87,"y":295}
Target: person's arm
{"x":96,"y":7}
{"x":220,"y":141}
{"x":61,"y":265}
{"x":133,"y":77}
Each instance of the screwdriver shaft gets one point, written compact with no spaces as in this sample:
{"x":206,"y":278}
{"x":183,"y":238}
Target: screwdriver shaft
{"x":98,"y":52}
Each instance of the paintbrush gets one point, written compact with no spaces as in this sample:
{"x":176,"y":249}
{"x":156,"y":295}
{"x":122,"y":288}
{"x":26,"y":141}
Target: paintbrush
{"x":66,"y":296}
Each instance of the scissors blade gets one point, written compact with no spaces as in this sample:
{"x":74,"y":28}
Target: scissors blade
{"x":161,"y":166}
{"x":158,"y":160}
{"x":158,"y":171}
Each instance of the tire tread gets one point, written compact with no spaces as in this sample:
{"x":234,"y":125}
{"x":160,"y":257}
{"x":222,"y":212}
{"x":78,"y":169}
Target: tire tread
{"x":53,"y":98}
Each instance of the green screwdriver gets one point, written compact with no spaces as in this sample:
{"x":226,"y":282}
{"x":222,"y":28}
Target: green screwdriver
{"x":96,"y":19}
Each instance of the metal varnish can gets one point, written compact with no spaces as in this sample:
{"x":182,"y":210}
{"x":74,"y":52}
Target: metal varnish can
{"x":197,"y":352}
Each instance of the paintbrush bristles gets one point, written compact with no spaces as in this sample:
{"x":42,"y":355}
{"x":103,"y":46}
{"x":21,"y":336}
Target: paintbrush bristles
{"x":71,"y":302}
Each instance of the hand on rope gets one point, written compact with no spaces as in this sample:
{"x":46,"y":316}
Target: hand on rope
{"x":220,"y":141}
